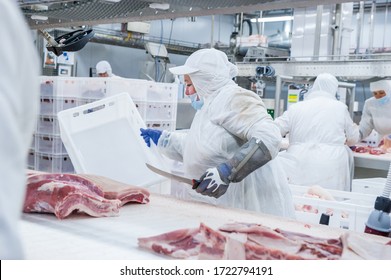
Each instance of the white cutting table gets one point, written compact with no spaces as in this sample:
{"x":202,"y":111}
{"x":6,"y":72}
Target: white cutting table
{"x":83,"y":237}
{"x":366,"y":160}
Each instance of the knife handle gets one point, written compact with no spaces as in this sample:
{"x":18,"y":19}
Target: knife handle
{"x":195,"y":183}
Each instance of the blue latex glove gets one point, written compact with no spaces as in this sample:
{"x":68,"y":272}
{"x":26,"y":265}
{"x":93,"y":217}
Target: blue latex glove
{"x":214,"y":182}
{"x":149,"y":134}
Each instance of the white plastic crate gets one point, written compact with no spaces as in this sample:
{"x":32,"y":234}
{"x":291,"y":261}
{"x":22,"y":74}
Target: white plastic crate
{"x":103,"y":138}
{"x":349,"y":210}
{"x":137,"y":89}
{"x":32,"y":143}
{"x":373,"y":186}
{"x":48,"y":143}
{"x":93,"y":88}
{"x":77,"y":87}
{"x":47,"y":124}
{"x":68,"y":86}
{"x":161,"y":111}
{"x":31,"y":159}
{"x":161,"y":124}
{"x":162,"y":92}
{"x":53,"y":163}
{"x":141,"y":108}
{"x":53,"y":105}
{"x":47,"y":85}
{"x":83,"y":101}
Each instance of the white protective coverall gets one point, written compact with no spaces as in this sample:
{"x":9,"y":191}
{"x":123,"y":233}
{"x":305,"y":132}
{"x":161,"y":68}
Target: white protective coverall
{"x":377,"y":112}
{"x":229,"y":117}
{"x":19,"y":100}
{"x":320,"y":128}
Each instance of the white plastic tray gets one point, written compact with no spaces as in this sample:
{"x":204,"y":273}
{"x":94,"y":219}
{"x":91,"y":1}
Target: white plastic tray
{"x":103,"y":138}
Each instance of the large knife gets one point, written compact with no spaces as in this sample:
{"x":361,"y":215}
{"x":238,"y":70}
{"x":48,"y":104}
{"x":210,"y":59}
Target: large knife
{"x":192,"y":182}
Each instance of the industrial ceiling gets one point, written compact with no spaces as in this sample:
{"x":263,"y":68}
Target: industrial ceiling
{"x":43,"y":14}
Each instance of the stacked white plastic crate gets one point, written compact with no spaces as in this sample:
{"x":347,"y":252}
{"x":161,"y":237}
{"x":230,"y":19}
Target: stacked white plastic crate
{"x":156,"y":102}
{"x":48,"y":150}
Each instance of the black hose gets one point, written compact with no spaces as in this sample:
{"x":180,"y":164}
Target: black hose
{"x":250,"y":26}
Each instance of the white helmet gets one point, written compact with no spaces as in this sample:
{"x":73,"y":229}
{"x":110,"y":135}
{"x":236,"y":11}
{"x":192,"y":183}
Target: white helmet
{"x":104,"y":67}
{"x":381,"y":85}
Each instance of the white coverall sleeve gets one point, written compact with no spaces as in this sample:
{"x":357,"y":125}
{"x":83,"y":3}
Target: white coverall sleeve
{"x":351,"y":130}
{"x":366,"y":124}
{"x":282,"y":123}
{"x":171,"y":144}
{"x":244,"y":115}
{"x":19,"y":100}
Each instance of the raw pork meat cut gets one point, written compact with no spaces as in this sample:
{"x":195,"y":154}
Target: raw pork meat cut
{"x":117,"y":190}
{"x":182,"y":243}
{"x":188,"y":243}
{"x":63,"y":194}
{"x":257,"y":242}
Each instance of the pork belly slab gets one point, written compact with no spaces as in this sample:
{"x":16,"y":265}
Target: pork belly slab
{"x":253,"y":242}
{"x":117,"y":190}
{"x":63,"y":194}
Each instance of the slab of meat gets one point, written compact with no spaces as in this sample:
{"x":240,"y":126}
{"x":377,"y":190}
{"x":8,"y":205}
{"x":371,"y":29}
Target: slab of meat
{"x":63,"y":194}
{"x":253,"y":242}
{"x":266,"y":243}
{"x":117,"y":190}
{"x":181,"y":244}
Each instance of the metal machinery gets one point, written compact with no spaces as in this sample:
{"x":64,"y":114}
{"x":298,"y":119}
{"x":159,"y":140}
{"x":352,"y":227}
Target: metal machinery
{"x":345,"y":70}
{"x":71,"y":42}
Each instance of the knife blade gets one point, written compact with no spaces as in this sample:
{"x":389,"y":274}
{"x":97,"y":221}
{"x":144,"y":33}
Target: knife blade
{"x":175,"y":177}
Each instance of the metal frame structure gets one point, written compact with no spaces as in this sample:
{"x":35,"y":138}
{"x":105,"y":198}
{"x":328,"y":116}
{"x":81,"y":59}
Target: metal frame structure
{"x":67,"y":13}
{"x":348,"y":70}
{"x":280,"y":80}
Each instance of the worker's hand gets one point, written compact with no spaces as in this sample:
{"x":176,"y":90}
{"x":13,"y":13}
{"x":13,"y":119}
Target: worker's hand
{"x":214,"y":182}
{"x":149,"y":134}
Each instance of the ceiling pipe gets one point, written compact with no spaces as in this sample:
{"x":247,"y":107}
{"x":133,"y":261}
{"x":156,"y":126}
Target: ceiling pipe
{"x":337,"y":31}
{"x":318,"y":29}
{"x":372,"y":27}
{"x":360,"y":22}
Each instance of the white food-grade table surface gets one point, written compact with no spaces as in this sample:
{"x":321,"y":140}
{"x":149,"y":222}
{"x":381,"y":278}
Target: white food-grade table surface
{"x":366,"y":160}
{"x":83,"y":237}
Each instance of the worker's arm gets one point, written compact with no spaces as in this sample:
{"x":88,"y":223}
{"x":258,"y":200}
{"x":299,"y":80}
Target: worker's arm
{"x":351,"y":130}
{"x":251,"y":156}
{"x":282,"y":123}
{"x":169,"y":143}
{"x":246,"y":118}
{"x":366,"y":124}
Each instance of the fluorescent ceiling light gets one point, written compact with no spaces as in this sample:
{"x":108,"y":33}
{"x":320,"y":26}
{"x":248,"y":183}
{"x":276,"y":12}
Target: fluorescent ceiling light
{"x":38,"y":17}
{"x":159,"y":6}
{"x":272,"y":19}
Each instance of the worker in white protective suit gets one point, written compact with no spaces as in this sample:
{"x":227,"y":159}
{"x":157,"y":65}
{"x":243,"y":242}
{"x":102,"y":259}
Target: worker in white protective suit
{"x":320,"y":131}
{"x":103,"y":69}
{"x":19,"y":94}
{"x":231,"y":143}
{"x":377,"y":110}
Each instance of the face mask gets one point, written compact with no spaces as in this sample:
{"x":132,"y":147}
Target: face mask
{"x":196,"y":104}
{"x":383,"y":100}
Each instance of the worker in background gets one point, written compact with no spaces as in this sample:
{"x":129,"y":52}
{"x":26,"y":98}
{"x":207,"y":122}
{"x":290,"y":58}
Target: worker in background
{"x":19,"y":94}
{"x":231,"y":143}
{"x":377,"y":110}
{"x":103,"y":69}
{"x":320,"y":130}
